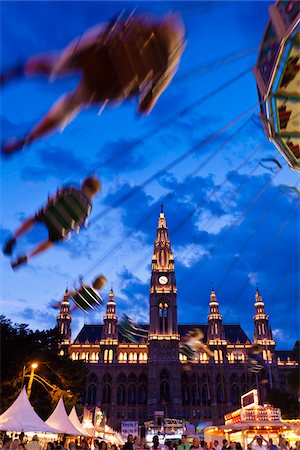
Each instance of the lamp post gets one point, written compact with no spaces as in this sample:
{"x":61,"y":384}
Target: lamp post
{"x":33,"y":367}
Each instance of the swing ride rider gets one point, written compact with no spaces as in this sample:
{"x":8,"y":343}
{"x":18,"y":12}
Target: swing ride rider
{"x":64,"y":213}
{"x":127,"y":58}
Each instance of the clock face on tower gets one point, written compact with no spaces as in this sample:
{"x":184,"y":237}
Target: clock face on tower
{"x":163,"y":279}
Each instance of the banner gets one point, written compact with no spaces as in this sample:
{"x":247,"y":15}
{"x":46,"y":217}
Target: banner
{"x":129,"y":427}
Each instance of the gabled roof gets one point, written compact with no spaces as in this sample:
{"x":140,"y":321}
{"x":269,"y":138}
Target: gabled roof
{"x":60,"y":420}
{"x":21,"y":416}
{"x":233,"y":333}
{"x":76,"y":422}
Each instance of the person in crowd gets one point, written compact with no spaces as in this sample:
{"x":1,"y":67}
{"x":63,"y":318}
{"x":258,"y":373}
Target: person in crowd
{"x":114,"y":447}
{"x":137,"y":443}
{"x":205,"y":446}
{"x":217,"y":446}
{"x":84,"y":444}
{"x":225,"y":444}
{"x":155,"y":443}
{"x":6,"y":443}
{"x":232,"y":445}
{"x":271,"y":445}
{"x":50,"y":446}
{"x":15,"y":444}
{"x":72,"y":445}
{"x":259,"y":443}
{"x":62,"y":445}
{"x":127,"y":58}
{"x":195,"y":443}
{"x":34,"y":444}
{"x":184,"y":443}
{"x":65,"y":212}
{"x":129,"y":443}
{"x":103,"y":445}
{"x":238,"y":446}
{"x":145,"y":445}
{"x":168,"y":445}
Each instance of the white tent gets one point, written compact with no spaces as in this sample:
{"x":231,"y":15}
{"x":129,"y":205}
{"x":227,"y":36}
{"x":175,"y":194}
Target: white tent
{"x":76,"y":422}
{"x":21,"y":416}
{"x":60,"y":420}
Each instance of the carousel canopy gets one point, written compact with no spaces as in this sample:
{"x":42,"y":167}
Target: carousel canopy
{"x":20,"y":416}
{"x":76,"y":422}
{"x":60,"y":420}
{"x":278,"y":76}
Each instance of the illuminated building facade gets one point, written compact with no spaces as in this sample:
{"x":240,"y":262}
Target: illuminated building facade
{"x":133,"y":381}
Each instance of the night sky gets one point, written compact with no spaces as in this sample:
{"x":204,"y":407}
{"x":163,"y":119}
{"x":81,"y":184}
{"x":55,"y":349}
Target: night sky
{"x":232,"y":226}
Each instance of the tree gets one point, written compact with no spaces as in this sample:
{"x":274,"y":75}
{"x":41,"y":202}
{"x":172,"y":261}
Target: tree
{"x":21,"y":346}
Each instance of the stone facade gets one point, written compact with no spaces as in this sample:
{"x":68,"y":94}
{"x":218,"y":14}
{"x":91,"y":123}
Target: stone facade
{"x":130,"y":381}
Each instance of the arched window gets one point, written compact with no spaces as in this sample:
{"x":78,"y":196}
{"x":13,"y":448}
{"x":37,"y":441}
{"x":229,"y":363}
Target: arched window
{"x":164,"y":386}
{"x":131,"y":394}
{"x":163,"y":317}
{"x":121,"y":357}
{"x":93,"y":356}
{"x":73,"y":355}
{"x":77,"y":355}
{"x":145,"y":356}
{"x":142,"y":395}
{"x":220,"y":394}
{"x":140,"y":357}
{"x":235,"y":394}
{"x":204,"y":395}
{"x":121,"y":395}
{"x":105,"y":355}
{"x":125,"y":356}
{"x":110,"y":355}
{"x":135,"y":356}
{"x":91,"y":395}
{"x":83,"y":355}
{"x":130,"y":356}
{"x":194,"y":395}
{"x":109,"y":328}
{"x":106,"y":394}
{"x":185,"y":394}
{"x":87,"y":356}
{"x":216,"y":355}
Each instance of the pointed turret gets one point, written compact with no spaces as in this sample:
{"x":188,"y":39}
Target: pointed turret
{"x":262,"y":330}
{"x":215,"y":330}
{"x":64,"y":325}
{"x":109,"y":335}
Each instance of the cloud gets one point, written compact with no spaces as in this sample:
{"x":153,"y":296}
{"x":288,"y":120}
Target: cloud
{"x":121,"y":155}
{"x":56,"y":162}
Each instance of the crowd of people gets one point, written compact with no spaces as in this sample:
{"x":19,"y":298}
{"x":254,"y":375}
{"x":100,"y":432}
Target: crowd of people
{"x":20,"y":442}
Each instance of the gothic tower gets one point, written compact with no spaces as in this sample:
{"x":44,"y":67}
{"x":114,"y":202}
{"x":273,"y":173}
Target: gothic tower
{"x":109,"y":335}
{"x":262,"y":330}
{"x":64,"y":326}
{"x":215,"y":332}
{"x":164,"y":366}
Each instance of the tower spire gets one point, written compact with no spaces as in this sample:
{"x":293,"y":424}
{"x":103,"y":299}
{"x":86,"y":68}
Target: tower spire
{"x":215,"y":326}
{"x":64,"y":325}
{"x":262,"y":330}
{"x":163,"y":291}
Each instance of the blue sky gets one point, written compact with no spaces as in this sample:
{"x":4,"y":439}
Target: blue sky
{"x":230,"y":223}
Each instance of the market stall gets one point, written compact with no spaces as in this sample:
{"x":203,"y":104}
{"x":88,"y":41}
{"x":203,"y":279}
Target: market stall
{"x":250,"y":420}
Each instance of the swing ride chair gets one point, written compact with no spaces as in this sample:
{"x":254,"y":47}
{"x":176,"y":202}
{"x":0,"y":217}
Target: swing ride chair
{"x":87,"y":298}
{"x":277,"y":74}
{"x":67,"y":211}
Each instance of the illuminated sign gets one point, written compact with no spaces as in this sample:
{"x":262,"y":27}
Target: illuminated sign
{"x":249,"y":399}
